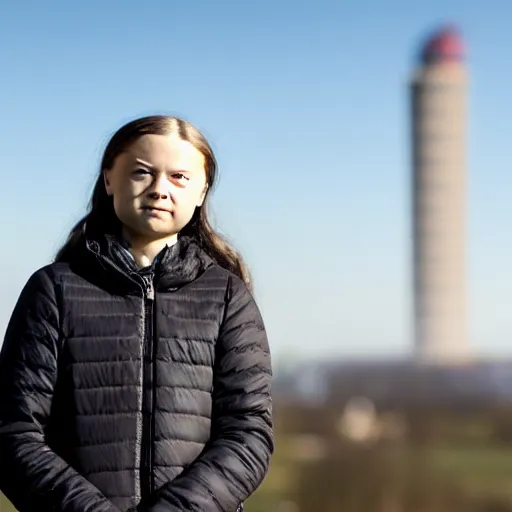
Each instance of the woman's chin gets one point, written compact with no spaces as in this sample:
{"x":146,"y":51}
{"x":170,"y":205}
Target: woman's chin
{"x":150,"y":232}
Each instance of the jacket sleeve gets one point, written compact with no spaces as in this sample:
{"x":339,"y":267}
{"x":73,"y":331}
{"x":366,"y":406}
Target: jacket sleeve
{"x":236,"y":460}
{"x":32,"y":476}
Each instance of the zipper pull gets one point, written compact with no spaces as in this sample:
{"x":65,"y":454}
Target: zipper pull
{"x":150,"y":289}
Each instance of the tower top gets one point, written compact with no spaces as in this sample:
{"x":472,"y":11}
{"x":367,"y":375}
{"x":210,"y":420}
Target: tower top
{"x":444,"y":45}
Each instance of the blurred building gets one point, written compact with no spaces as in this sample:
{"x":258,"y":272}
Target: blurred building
{"x":438,"y":93}
{"x":404,"y":384}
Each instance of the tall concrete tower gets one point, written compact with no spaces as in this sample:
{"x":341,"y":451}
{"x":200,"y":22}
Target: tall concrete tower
{"x":439,"y":199}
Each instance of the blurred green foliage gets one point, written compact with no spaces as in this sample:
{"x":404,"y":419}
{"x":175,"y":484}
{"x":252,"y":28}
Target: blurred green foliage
{"x":443,"y":460}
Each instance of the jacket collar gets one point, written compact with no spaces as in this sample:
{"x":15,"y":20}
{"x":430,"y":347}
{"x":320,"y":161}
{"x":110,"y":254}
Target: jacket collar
{"x":173,"y":267}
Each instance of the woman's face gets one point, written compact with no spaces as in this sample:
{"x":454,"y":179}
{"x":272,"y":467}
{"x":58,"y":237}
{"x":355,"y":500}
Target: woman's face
{"x":156,"y":185}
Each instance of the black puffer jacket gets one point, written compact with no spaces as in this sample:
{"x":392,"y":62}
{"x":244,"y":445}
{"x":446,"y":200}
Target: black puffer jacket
{"x":122,"y":388}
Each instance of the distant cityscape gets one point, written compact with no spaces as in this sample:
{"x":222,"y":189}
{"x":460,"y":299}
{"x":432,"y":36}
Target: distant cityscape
{"x":441,"y":368}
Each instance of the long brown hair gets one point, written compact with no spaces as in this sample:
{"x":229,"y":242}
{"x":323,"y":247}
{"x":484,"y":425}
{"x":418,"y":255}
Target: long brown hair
{"x":102,"y":219}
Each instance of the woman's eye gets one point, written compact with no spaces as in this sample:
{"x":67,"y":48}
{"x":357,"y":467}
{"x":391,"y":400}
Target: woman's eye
{"x":179,"y":176}
{"x":141,"y":171}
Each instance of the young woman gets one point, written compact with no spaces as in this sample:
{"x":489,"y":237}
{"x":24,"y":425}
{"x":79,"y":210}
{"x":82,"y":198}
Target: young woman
{"x":135,"y":372}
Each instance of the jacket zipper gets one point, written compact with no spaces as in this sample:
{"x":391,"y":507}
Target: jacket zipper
{"x":148,"y":295}
{"x":143,"y":458}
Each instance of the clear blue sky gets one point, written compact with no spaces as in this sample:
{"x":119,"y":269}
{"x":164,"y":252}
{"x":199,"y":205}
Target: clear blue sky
{"x":306,"y":106}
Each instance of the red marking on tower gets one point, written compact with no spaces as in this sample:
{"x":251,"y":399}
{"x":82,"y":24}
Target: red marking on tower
{"x":443,"y":46}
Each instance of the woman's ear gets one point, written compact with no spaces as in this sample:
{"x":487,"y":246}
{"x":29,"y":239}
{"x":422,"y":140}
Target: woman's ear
{"x":106,"y":178}
{"x":202,"y":197}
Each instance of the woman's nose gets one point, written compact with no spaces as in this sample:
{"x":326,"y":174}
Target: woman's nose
{"x":159,"y":188}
